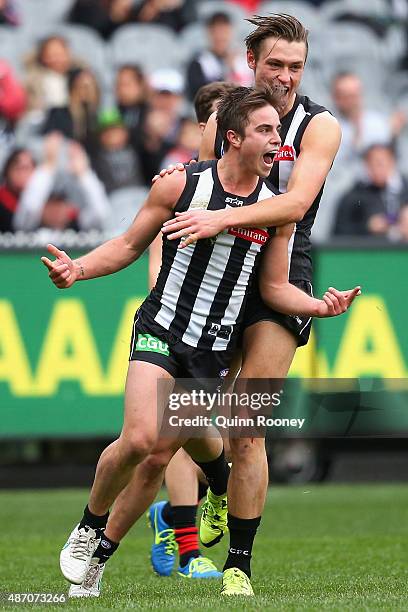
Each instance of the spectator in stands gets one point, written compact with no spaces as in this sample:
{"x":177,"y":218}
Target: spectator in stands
{"x":43,"y":203}
{"x":187,"y":145}
{"x":8,"y":13}
{"x":175,"y":14}
{"x":218,"y":62}
{"x":104,"y":16}
{"x":77,"y":120}
{"x":162,"y":123}
{"x":12,"y":107}
{"x":48,"y":72}
{"x":373,"y":205}
{"x":116,"y":162}
{"x":131,"y":93}
{"x":361,"y":127}
{"x":16,"y":174}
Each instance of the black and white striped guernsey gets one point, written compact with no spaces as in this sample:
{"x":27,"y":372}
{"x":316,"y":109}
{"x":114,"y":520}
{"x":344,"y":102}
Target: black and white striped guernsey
{"x":293,"y":127}
{"x":201,"y":290}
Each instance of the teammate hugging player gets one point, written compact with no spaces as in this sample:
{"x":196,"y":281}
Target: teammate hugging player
{"x":196,"y":292}
{"x":276,"y":52}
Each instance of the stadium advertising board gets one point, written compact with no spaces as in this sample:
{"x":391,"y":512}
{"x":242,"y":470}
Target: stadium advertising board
{"x":63,"y":354}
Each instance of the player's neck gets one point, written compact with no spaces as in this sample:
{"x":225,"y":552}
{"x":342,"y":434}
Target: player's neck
{"x":289,"y":106}
{"x":234,"y":176}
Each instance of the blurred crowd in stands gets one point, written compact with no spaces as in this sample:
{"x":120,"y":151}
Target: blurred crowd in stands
{"x":96,"y":96}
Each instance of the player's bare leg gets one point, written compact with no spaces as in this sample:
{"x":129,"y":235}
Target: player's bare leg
{"x":138,"y":437}
{"x":182,"y":476}
{"x":117,"y":463}
{"x":268,"y":351}
{"x":135,"y":498}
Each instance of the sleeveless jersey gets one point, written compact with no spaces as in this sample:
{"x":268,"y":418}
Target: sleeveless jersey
{"x":201,"y":290}
{"x":294,"y":125}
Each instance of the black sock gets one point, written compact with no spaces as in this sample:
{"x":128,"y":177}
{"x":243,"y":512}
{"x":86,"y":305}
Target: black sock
{"x":202,"y":490}
{"x":105,"y":549}
{"x":217,"y":473}
{"x":242,"y":534}
{"x":168,"y":514}
{"x":93,"y":520}
{"x":186,"y":532}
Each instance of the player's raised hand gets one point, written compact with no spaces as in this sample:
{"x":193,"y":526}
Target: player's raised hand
{"x":336,"y":302}
{"x":62,"y":269}
{"x":171,"y":168}
{"x":194,"y":225}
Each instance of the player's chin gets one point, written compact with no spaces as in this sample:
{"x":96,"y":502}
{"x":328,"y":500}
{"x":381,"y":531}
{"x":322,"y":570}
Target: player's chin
{"x":264,"y":169}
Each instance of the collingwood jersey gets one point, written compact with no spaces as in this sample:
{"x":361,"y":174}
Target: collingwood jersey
{"x":201,"y":290}
{"x":293,"y":127}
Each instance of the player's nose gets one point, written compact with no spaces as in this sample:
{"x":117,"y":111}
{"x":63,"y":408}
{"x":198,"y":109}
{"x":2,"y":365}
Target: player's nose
{"x":275,"y":138}
{"x":284,"y":76}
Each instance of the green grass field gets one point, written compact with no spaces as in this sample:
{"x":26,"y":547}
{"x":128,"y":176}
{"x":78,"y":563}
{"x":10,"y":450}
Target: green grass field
{"x":319,"y":548}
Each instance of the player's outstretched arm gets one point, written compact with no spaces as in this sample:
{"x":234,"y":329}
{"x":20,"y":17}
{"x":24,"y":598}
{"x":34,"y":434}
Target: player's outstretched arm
{"x":319,"y":146}
{"x":118,"y":253}
{"x":281,"y":295}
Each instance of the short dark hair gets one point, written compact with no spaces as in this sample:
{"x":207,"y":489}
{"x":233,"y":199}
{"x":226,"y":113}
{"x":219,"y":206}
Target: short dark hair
{"x":278,"y":25}
{"x":11,"y":159}
{"x":218,"y":17}
{"x":388,"y":146}
{"x":134,"y":68}
{"x":206,"y":96}
{"x":235,"y":107}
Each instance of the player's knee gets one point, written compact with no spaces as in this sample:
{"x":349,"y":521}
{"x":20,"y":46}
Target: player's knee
{"x":137,"y":446}
{"x":246,"y":449}
{"x":156,"y":463}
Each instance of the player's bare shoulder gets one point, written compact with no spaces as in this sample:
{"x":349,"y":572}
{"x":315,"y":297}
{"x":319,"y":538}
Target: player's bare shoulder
{"x":169,"y":188}
{"x":323,"y":128}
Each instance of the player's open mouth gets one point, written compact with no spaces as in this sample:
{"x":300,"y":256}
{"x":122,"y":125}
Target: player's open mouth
{"x":269,"y":157}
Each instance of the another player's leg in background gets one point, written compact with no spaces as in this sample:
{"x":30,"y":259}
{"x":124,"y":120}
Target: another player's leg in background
{"x":268,"y":351}
{"x":182,"y":478}
{"x":116,"y":465}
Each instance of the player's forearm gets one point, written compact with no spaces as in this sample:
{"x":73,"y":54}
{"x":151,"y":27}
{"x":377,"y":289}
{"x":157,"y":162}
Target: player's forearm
{"x":290,"y":300}
{"x":275,"y":211}
{"x":106,"y":259}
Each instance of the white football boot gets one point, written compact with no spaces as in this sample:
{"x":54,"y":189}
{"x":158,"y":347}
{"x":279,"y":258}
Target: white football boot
{"x":91,"y":586}
{"x":77,"y":553}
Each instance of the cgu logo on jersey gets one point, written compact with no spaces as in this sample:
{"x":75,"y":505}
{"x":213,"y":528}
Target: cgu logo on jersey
{"x":146,"y":342}
{"x":285,"y":153}
{"x":260,"y":236}
{"x":234,"y":201}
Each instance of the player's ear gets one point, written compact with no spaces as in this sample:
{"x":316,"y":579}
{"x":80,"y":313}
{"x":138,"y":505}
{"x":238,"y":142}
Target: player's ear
{"x":251,"y":61}
{"x":202,"y":125}
{"x":233,"y":138}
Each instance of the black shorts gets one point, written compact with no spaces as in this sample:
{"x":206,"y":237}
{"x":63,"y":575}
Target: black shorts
{"x":152,"y":343}
{"x":256,"y":310}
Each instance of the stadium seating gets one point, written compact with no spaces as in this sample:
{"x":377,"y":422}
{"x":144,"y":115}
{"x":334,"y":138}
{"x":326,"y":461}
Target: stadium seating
{"x":375,"y":8}
{"x":8,"y":39}
{"x":151,"y":46}
{"x":306,"y":13}
{"x":206,"y":8}
{"x":125,"y":204}
{"x":34,"y":13}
